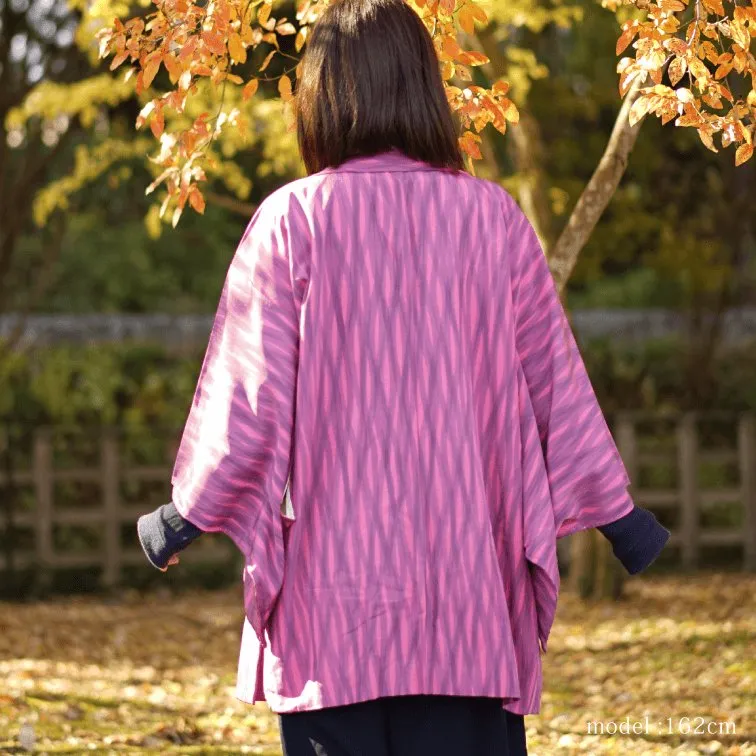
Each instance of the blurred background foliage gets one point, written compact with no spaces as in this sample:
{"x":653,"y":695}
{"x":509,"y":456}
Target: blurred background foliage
{"x":79,"y":235}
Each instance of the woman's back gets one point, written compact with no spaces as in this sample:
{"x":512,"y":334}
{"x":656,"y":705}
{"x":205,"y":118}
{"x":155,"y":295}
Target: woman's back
{"x":390,"y":343}
{"x":391,"y":578}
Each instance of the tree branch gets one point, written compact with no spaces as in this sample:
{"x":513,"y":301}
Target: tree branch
{"x":598,"y":192}
{"x":227,"y":202}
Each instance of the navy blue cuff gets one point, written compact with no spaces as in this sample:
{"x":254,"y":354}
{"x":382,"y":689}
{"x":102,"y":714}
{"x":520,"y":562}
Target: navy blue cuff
{"x":163,"y":533}
{"x":637,"y":539}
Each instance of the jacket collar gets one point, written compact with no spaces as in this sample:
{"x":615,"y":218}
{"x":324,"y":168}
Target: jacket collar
{"x":390,"y":160}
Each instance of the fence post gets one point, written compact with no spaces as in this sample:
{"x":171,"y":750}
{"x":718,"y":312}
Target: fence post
{"x":110,"y":480}
{"x":43,"y":491}
{"x":747,"y":461}
{"x":687,"y":454}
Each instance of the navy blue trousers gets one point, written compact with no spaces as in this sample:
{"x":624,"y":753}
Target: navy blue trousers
{"x":406,"y":726}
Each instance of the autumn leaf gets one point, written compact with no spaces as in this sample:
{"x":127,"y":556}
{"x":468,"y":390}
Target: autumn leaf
{"x":236,"y":49}
{"x":300,"y":39}
{"x":249,"y":89}
{"x":284,"y":87}
{"x":150,"y":71}
{"x":743,"y":153}
{"x":263,"y":14}
{"x":466,"y":19}
{"x":196,"y":200}
{"x":639,"y":109}
{"x":626,"y":38}
{"x":267,"y":60}
{"x":677,"y":70}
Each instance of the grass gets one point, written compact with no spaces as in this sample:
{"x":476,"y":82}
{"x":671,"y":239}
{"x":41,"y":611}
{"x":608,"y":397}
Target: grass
{"x":154,"y":673}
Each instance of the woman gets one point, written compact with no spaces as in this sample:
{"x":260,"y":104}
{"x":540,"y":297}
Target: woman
{"x":390,"y":351}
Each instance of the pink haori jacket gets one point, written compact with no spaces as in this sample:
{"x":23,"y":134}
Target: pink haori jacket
{"x":394,"y":425}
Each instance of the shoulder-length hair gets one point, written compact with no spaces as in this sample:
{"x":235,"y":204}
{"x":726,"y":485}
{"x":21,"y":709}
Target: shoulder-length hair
{"x":370,"y":81}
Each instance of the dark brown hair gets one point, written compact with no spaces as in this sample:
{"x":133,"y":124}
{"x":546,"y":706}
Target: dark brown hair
{"x":370,"y":81}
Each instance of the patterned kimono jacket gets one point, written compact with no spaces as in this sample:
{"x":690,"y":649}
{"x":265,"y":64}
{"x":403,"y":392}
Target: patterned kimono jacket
{"x":391,"y":359}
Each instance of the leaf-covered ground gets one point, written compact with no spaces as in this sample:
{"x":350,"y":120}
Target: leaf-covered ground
{"x":155,"y":674}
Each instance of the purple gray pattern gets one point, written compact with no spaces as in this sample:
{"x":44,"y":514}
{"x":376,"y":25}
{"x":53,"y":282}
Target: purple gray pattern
{"x":390,"y":343}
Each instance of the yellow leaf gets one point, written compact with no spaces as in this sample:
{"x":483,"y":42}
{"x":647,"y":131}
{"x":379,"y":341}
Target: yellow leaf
{"x":300,"y":38}
{"x":284,"y":87}
{"x":466,"y":19}
{"x":510,"y":112}
{"x":264,"y":13}
{"x":267,"y":60}
{"x":639,"y":109}
{"x":236,"y":49}
{"x":743,"y":153}
{"x":249,"y":89}
{"x":285,"y":29}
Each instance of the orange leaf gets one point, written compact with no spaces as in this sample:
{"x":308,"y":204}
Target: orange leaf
{"x":173,"y":67}
{"x":723,"y":70}
{"x":149,"y":71}
{"x":743,"y":153}
{"x":676,"y":70}
{"x":625,"y":39}
{"x":249,"y":89}
{"x":284,"y":87}
{"x":500,"y":87}
{"x":196,"y":200}
{"x":473,"y":58}
{"x":214,"y":42}
{"x":451,"y":47}
{"x":479,"y":14}
{"x":267,"y":60}
{"x":157,"y":124}
{"x":118,"y":60}
{"x":466,"y":19}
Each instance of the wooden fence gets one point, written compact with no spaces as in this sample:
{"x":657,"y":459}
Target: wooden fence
{"x":687,"y":500}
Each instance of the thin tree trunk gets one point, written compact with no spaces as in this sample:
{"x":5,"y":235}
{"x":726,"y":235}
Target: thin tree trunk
{"x":597,"y":193}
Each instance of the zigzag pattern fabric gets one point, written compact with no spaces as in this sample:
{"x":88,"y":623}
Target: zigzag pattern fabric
{"x":391,"y":356}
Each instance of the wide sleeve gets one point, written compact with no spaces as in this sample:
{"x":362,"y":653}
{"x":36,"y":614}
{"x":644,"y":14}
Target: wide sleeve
{"x":233,"y":460}
{"x":586,"y":476}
